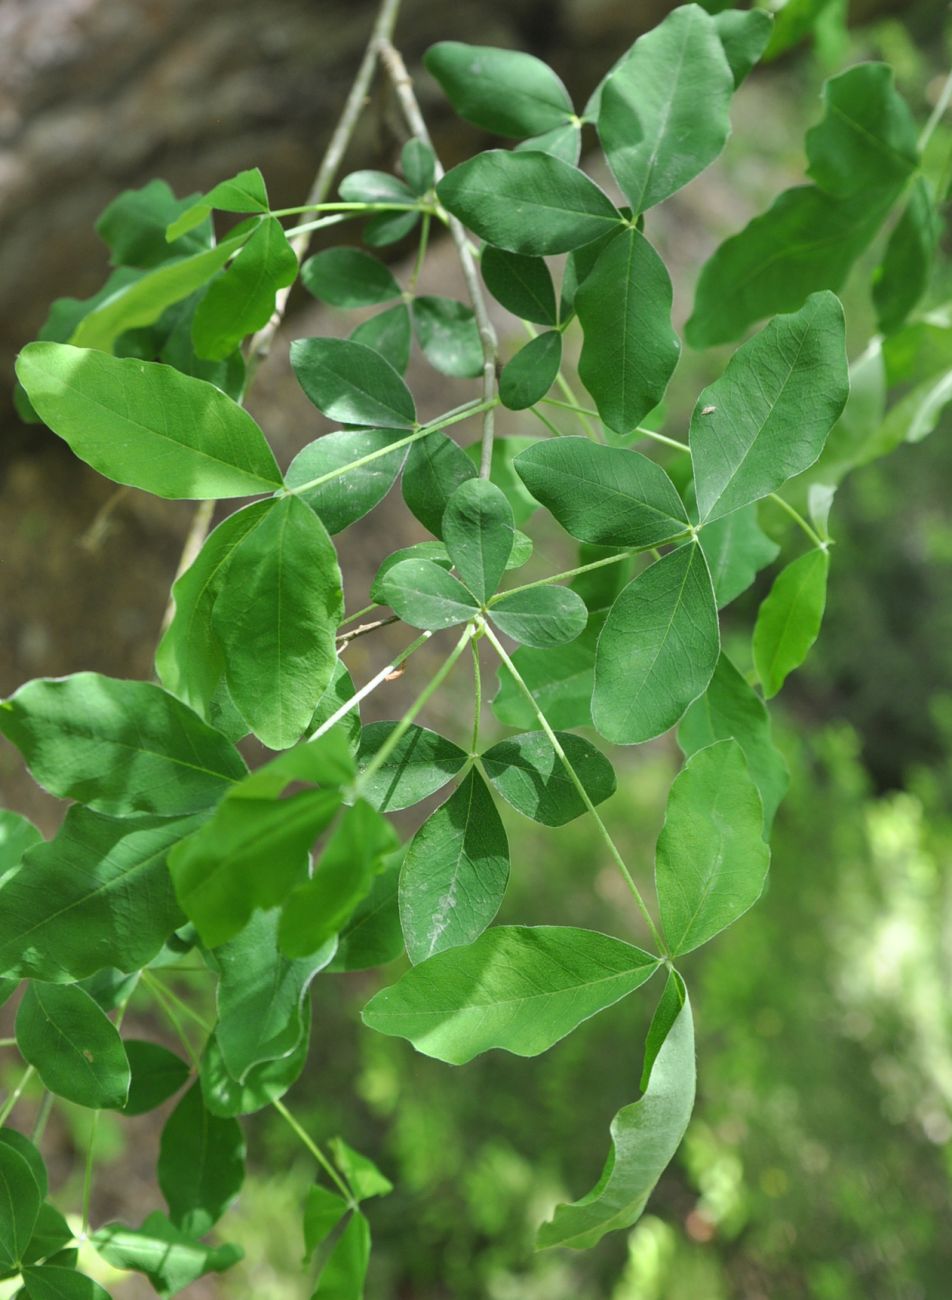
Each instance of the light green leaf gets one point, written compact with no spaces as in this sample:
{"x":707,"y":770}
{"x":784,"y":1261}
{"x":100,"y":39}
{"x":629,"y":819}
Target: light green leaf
{"x":134,"y":225}
{"x":658,"y":649}
{"x":348,"y":277}
{"x":319,"y":908}
{"x":118,"y":746}
{"x":607,"y":495}
{"x":560,"y":681}
{"x":478,"y":534}
{"x":644,"y":1138}
{"x":506,"y":92}
{"x":663,"y":112}
{"x":201,"y":1164}
{"x":529,"y":375}
{"x":736,"y":549}
{"x":744,"y":35}
{"x":146,"y":425}
{"x":388,"y":333}
{"x":867,"y":138}
{"x":630,"y":348}
{"x":342,"y":500}
{"x":170,"y":1259}
{"x":372,"y":937}
{"x":418,"y":163}
{"x":455,"y":873}
{"x":518,"y":988}
{"x":529,"y":774}
{"x":541,"y":617}
{"x":424,"y":595}
{"x":276,"y":617}
{"x":97,"y":896}
{"x":448,"y":335}
{"x":564,"y":142}
{"x":245,"y":192}
{"x":54,"y":1282}
{"x":74,"y":1048}
{"x":343,"y":1276}
{"x":157,"y":1074}
{"x":352,"y":383}
{"x":730,"y":709}
{"x":363,"y":1176}
{"x":434,"y":551}
{"x":523,"y":285}
{"x":17,"y":834}
{"x":788,"y":621}
{"x":711,"y":861}
{"x":795,"y":21}
{"x":20,"y":1200}
{"x":374,"y":187}
{"x":420,"y":764}
{"x":906,"y":267}
{"x":323,"y":1211}
{"x":768,"y":417}
{"x":225,"y":1097}
{"x":242,"y":300}
{"x":528,"y":203}
{"x":435,"y":468}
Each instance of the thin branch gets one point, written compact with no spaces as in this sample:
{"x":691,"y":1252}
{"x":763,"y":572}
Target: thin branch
{"x":345,"y":638}
{"x":403,"y":88}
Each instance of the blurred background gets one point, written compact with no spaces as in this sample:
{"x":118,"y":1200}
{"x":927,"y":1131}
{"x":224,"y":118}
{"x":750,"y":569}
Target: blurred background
{"x":819,"y":1160}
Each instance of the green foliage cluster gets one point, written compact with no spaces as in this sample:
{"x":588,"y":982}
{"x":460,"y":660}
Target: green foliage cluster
{"x":172,"y":851}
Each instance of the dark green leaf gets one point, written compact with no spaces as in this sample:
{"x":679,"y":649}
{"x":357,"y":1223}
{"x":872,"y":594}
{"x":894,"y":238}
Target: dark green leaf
{"x":523,"y":285}
{"x":388,"y":227}
{"x":344,"y":499}
{"x":348,"y":277}
{"x":54,"y":1282}
{"x":529,"y":774}
{"x":527,"y":203}
{"x":242,"y":299}
{"x":20,"y":1200}
{"x":418,"y":163}
{"x":118,"y":746}
{"x":502,"y":472}
{"x":227,"y":1098}
{"x":352,"y":383}
{"x":658,"y":649}
{"x":560,"y":681}
{"x":518,"y":988}
{"x":51,"y":1234}
{"x":9,"y":1137}
{"x":425,"y":595}
{"x":342,"y":1277}
{"x":530,"y":374}
{"x":564,"y":142}
{"x":170,"y":1259}
{"x":867,"y":138}
{"x":906,"y":268}
{"x":134,"y":225}
{"x":201,"y":1164}
{"x":372,"y":936}
{"x":478,"y":534}
{"x":434,"y":551}
{"x":74,"y":1048}
{"x":541,"y":617}
{"x":435,"y":468}
{"x":388,"y":333}
{"x":455,"y":872}
{"x":157,"y":1074}
{"x":744,"y":35}
{"x":503,"y":91}
{"x":736,"y":549}
{"x":245,"y":192}
{"x":644,"y":1137}
{"x":449,"y":337}
{"x":788,"y":621}
{"x":145,"y":425}
{"x":420,"y":764}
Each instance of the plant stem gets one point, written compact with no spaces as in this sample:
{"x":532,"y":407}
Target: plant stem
{"x":346,"y":637}
{"x":42,"y":1115}
{"x":317,"y":1153}
{"x":935,"y":117}
{"x":579,"y":786}
{"x":421,"y":252}
{"x":564,"y":387}
{"x":15,"y":1095}
{"x":553,"y":429}
{"x":357,"y":208}
{"x":88,"y":1175}
{"x":370,"y":686}
{"x":583,"y":568}
{"x":352,"y":618}
{"x":477,"y":698}
{"x":796,"y":516}
{"x":403,"y":88}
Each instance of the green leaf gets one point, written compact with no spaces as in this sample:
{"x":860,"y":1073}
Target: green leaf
{"x":449,"y":337}
{"x":318,"y":909}
{"x":372,"y":937}
{"x":134,"y":225}
{"x":711,"y":861}
{"x":261,"y":994}
{"x":145,"y":425}
{"x":435,"y":468}
{"x":170,"y":1259}
{"x":74,"y":1048}
{"x":276,"y":618}
{"x":242,"y":300}
{"x":9,"y":1137}
{"x":251,"y":854}
{"x":20,"y":1200}
{"x":503,"y":473}
{"x":424,"y":595}
{"x":157,"y":1074}
{"x":736,"y":549}
{"x":788,"y":621}
{"x":541,"y":617}
{"x":225,"y":1097}
{"x":867,"y":138}
{"x":363,"y":1176}
{"x":564,"y":142}
{"x":663,"y":115}
{"x":420,"y":764}
{"x":528,"y":203}
{"x":795,"y":21}
{"x":434,"y":551}
{"x":418,"y":163}
{"x":644,"y":1138}
{"x":560,"y":681}
{"x":388,"y":333}
{"x":529,"y":375}
{"x":518,"y":988}
{"x":374,"y":187}
{"x":478,"y":534}
{"x":389,"y":227}
{"x":503,"y":91}
{"x":658,"y":649}
{"x":346,"y":498}
{"x":51,"y":1234}
{"x":97,"y":896}
{"x":529,"y":774}
{"x":323,"y":1211}
{"x":342,"y":1277}
{"x":178,"y":351}
{"x":906,"y":268}
{"x":523,"y":285}
{"x":118,"y":746}
{"x":348,"y":277}
{"x":455,"y":873}
{"x":769,"y":415}
{"x":352,"y":383}
{"x":17,"y":834}
{"x":201,"y":1164}
{"x":744,"y":36}
{"x":245,"y":192}
{"x":54,"y":1282}
{"x":630,"y":348}
{"x":607,"y":495}
{"x":730,"y":709}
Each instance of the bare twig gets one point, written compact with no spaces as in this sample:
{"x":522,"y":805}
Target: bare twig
{"x":345,"y":638}
{"x":403,"y":88}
